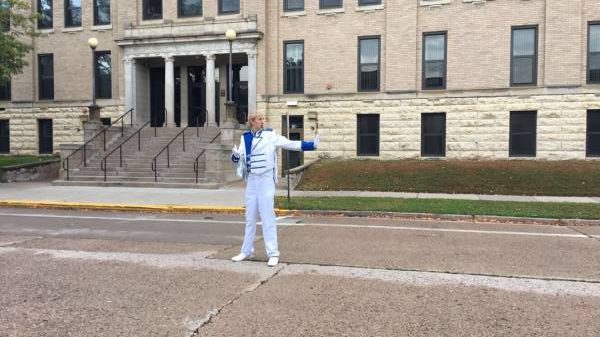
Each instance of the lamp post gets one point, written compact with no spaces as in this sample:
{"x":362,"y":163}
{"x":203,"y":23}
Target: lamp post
{"x":94,"y":109}
{"x":230,"y":35}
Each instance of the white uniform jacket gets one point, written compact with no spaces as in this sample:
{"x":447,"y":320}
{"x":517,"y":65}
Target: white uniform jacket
{"x":260,"y":150}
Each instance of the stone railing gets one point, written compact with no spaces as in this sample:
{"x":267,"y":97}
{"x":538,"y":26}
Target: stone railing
{"x":207,"y":27}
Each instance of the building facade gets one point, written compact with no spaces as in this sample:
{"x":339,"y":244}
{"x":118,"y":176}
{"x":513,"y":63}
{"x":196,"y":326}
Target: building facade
{"x":385,"y":79}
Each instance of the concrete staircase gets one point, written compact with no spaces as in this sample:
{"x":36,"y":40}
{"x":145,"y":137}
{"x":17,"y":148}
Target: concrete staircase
{"x":136,"y":166}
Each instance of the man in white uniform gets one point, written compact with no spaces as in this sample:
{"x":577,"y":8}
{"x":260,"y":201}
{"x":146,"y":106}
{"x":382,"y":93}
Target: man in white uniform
{"x":257,"y":163}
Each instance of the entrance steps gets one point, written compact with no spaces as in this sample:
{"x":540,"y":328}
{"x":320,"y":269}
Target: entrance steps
{"x":134,"y":166}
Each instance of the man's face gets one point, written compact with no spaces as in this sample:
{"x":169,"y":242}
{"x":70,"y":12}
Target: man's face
{"x":257,"y":123}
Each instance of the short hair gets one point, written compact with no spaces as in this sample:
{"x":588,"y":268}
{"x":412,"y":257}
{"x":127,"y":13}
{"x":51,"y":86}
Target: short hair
{"x":255,"y":115}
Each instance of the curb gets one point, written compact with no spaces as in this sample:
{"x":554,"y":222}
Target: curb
{"x":283,"y":212}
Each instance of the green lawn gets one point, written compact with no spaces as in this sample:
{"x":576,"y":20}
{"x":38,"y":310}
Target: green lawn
{"x":18,"y":160}
{"x":520,"y":177}
{"x":445,"y":206}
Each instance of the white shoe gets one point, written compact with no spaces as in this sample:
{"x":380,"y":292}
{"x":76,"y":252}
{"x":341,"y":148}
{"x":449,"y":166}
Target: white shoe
{"x":240,"y":257}
{"x":273,"y":261}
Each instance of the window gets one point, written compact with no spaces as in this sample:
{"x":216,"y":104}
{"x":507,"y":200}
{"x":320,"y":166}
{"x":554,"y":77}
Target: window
{"x":522,"y":133}
{"x":5,"y":91}
{"x":103,"y":74}
{"x":45,"y":136}
{"x":293,"y":68}
{"x":4,"y":136}
{"x":152,"y":9}
{"x":368,"y":2}
{"x":323,"y":4}
{"x":593,"y":134}
{"x":229,"y":7}
{"x":293,"y":5}
{"x":5,"y":24}
{"x":434,"y":61}
{"x":188,"y":8}
{"x":101,"y":12}
{"x":594,"y":53}
{"x":46,"y":76}
{"x":45,"y":14}
{"x":368,"y":135}
{"x":433,"y":135}
{"x":368,"y":63}
{"x":72,"y":13}
{"x":523,"y":61}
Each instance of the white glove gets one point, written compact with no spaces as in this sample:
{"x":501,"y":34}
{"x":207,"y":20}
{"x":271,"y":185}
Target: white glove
{"x":235,"y":151}
{"x":316,"y":141}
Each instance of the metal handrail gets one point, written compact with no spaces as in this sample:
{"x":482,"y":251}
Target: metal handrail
{"x":196,"y":168}
{"x":166,"y":148}
{"x":120,"y":148}
{"x":103,"y":133}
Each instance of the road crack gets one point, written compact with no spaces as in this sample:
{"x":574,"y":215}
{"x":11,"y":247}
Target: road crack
{"x":208,"y":319}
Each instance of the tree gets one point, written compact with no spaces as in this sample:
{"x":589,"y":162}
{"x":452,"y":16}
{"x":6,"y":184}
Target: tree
{"x":17,"y":25}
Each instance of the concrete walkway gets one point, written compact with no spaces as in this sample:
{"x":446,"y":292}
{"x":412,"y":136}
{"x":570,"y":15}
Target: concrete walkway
{"x":227,"y":197}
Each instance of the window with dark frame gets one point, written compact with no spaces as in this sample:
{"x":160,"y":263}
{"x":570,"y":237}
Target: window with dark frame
{"x":433,"y":134}
{"x":45,"y":17}
{"x":522,"y":140}
{"x":594,"y":53}
{"x":72,"y":13}
{"x":325,"y":4}
{"x":189,"y":8}
{"x":367,"y":135}
{"x":46,"y":76}
{"x":5,"y":91}
{"x":434,"y":60}
{"x":592,"y":148}
{"x":369,"y":2}
{"x":4,"y":136}
{"x":152,"y":10}
{"x":45,"y":134}
{"x":103,"y":74}
{"x":523,"y":61}
{"x":368,"y":63}
{"x":101,"y":12}
{"x":293,"y":5}
{"x":293,"y":67}
{"x":229,"y":7}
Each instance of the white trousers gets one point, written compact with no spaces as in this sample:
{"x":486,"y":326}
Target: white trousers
{"x":260,"y":198}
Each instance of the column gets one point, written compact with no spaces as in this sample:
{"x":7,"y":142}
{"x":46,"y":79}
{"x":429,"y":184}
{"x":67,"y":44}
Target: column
{"x":170,"y":90}
{"x":251,"y":82}
{"x":128,"y":84}
{"x":184,"y":95}
{"x":210,"y":90}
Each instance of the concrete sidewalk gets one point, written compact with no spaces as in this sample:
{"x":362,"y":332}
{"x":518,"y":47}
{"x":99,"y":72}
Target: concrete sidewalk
{"x":231,"y":196}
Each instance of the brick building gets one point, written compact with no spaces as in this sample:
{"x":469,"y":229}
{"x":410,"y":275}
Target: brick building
{"x":385,"y":79}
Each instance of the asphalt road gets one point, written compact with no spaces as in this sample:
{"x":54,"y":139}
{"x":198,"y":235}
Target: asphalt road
{"x":67,"y":273}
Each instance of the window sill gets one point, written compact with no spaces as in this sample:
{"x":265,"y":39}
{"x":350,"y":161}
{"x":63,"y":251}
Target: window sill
{"x":72,"y":29}
{"x":228,"y":15}
{"x":370,"y":8}
{"x":434,"y":3}
{"x":330,"y":11}
{"x":293,"y":14}
{"x":152,"y":22}
{"x":46,"y":31}
{"x":102,"y":27}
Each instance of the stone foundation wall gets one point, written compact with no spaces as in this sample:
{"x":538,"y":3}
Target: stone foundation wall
{"x":67,"y":124}
{"x":476,"y":127}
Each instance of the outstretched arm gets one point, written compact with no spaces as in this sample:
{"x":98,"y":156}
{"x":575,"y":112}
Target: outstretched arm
{"x":296,"y":145}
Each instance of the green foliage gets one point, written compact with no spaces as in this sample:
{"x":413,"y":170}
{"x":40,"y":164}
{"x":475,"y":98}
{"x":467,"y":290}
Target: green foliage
{"x":14,"y":43}
{"x":19,"y":160}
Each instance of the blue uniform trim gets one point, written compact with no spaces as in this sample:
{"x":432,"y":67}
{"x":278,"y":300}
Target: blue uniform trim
{"x":235,"y":158}
{"x":308,"y":146}
{"x":248,"y":136}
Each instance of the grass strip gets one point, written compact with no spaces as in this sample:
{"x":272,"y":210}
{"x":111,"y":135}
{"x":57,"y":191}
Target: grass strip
{"x":19,"y":160}
{"x":446,"y":206}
